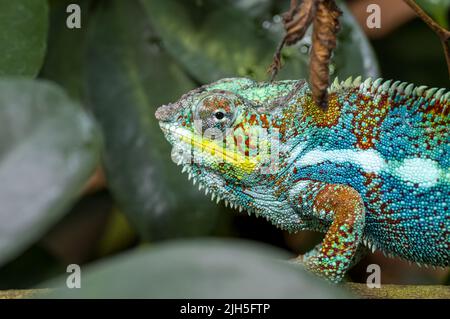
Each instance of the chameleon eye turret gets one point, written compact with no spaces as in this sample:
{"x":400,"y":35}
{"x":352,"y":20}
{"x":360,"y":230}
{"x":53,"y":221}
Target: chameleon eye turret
{"x":216,"y":110}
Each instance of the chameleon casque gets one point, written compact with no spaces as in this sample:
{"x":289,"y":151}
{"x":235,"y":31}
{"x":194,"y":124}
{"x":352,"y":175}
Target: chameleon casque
{"x":371,"y":172}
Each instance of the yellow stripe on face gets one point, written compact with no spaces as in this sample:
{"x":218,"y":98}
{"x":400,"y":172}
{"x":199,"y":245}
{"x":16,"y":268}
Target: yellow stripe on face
{"x":221,"y":154}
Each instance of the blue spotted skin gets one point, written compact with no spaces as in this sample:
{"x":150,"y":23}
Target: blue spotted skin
{"x":373,"y":171}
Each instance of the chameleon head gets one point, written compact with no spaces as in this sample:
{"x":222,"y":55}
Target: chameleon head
{"x":223,"y":138}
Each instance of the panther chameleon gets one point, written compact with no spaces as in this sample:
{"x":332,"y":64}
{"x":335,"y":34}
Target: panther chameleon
{"x":372,"y":171}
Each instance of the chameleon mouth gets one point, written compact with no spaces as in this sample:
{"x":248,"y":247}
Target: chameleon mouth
{"x":176,"y":135}
{"x":210,"y":148}
{"x":182,"y":139}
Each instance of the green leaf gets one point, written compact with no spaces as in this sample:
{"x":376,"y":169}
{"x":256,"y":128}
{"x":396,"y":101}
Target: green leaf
{"x":212,"y":40}
{"x":255,"y":8}
{"x":129,"y":76}
{"x":48,"y":149}
{"x":438,"y":9}
{"x":198,"y":269}
{"x":65,"y":60}
{"x":219,"y":39}
{"x":23,"y":32}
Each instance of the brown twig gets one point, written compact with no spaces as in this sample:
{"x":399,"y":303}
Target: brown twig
{"x":326,"y":26}
{"x":296,"y":21}
{"x":324,"y":15}
{"x":443,"y":34}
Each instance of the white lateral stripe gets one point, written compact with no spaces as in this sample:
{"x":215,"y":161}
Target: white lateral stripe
{"x":425,"y":172}
{"x":369,"y":160}
{"x":422,"y":171}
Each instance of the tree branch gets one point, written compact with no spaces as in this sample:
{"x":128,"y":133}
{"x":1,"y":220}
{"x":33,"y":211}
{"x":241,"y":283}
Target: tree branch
{"x":360,"y":290}
{"x":22,"y":294}
{"x":443,"y":34}
{"x":399,"y":291}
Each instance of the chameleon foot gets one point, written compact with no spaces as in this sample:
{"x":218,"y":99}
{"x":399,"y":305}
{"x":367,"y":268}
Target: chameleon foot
{"x":342,"y":208}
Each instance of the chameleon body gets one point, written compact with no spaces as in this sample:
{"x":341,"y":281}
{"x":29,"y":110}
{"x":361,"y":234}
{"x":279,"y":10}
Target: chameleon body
{"x":371,"y":172}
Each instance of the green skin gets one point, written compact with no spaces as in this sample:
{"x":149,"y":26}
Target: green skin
{"x":372,"y":172}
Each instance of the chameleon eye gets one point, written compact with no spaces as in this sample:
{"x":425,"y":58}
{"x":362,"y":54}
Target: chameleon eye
{"x":215,"y":110}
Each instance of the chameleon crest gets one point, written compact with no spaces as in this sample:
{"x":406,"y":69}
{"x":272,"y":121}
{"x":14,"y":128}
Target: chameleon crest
{"x":371,"y":172}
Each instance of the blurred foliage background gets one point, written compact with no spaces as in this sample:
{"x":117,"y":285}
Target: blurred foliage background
{"x":86,"y":173}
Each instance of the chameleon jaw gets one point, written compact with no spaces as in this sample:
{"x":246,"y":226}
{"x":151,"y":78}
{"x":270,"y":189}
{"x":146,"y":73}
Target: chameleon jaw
{"x":210,"y":150}
{"x":216,"y":196}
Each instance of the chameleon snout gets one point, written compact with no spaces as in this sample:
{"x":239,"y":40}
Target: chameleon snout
{"x":165,"y":113}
